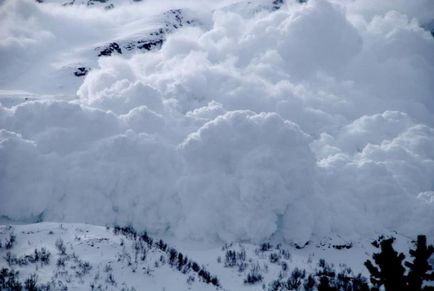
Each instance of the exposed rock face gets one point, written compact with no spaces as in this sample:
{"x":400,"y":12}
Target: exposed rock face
{"x":172,"y":20}
{"x":81,"y":71}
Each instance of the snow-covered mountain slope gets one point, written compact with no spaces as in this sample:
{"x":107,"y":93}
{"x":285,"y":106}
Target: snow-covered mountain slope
{"x":79,"y":257}
{"x":220,"y":120}
{"x":84,"y":257}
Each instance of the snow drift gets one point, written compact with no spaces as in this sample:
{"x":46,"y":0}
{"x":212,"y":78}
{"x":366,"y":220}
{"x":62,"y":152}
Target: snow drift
{"x":301,"y":122}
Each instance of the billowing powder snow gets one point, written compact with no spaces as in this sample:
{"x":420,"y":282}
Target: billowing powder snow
{"x":300,"y":122}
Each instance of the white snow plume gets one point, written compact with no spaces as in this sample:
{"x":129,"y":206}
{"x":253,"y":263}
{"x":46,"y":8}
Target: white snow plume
{"x":311,"y":120}
{"x":245,"y":172}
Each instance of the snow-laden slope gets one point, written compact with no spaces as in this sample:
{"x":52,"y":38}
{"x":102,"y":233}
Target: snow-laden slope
{"x":80,"y":257}
{"x":244,"y":120}
{"x":85,"y":257}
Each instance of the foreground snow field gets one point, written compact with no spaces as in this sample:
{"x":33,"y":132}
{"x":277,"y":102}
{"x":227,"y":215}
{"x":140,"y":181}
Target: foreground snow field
{"x":219,"y":120}
{"x":83,"y":256}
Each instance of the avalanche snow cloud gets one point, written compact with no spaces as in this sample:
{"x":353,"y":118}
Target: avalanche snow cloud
{"x":299,"y":121}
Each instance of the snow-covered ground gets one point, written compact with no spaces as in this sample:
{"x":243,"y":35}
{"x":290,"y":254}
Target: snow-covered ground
{"x":83,"y":255}
{"x":210,"y":122}
{"x":93,"y":256}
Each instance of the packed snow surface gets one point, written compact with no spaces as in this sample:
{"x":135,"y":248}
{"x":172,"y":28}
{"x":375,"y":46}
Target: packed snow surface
{"x":220,"y":120}
{"x":87,"y":257}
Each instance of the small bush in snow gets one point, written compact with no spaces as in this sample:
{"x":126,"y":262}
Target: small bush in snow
{"x":31,"y":283}
{"x":274,"y":258}
{"x":296,"y":279}
{"x":9,"y":244}
{"x":60,"y":247}
{"x":254,"y":276}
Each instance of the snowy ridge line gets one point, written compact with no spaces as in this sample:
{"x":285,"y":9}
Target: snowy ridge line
{"x":106,"y":4}
{"x":172,"y":20}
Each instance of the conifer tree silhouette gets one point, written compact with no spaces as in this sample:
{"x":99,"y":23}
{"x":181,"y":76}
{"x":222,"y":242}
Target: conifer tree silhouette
{"x":420,"y":269}
{"x":388,"y":270}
